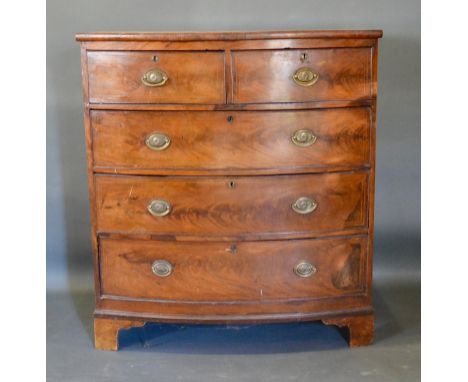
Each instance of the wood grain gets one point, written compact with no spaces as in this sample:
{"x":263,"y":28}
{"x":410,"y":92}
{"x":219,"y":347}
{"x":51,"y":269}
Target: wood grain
{"x":194,"y":77}
{"x":207,"y":141}
{"x":266,"y":76}
{"x":259,"y":271}
{"x":213,"y":206}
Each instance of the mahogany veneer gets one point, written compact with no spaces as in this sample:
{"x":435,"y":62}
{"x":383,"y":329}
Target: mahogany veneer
{"x":230,"y":142}
{"x":265,"y":76}
{"x":194,"y":77}
{"x":231,"y":206}
{"x":231,"y":177}
{"x":243,"y":272}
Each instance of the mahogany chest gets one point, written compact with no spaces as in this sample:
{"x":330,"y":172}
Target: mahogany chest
{"x":231,"y":177}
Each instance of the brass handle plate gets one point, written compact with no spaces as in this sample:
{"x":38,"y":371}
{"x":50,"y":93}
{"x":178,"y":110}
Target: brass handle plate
{"x":154,"y":77}
{"x":158,"y":141}
{"x":303,"y":138}
{"x":304,"y":269}
{"x":304,"y":205}
{"x":159,"y":207}
{"x":162,"y":268}
{"x":305,"y":77}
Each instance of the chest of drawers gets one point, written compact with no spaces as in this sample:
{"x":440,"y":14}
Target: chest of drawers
{"x":231,"y":177}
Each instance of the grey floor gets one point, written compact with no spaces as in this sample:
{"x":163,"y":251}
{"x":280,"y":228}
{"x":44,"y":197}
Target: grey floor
{"x":279,"y":352}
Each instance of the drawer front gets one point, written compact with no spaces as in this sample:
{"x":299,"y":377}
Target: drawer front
{"x":236,"y":205}
{"x":268,"y":270}
{"x":175,"y":77}
{"x":302,"y":75}
{"x":229,"y":141}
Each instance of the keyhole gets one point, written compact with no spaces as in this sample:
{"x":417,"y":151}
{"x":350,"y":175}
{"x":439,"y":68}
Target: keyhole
{"x":230,"y":119}
{"x":155,"y":58}
{"x":232,"y":184}
{"x":233,"y":248}
{"x":303,"y":57}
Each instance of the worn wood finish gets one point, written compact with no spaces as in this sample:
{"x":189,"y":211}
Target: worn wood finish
{"x":247,"y":236}
{"x":89,"y":157}
{"x":226,"y":45}
{"x":231,"y":205}
{"x":267,"y":76}
{"x":245,"y":271}
{"x":106,"y":331}
{"x":231,"y":234}
{"x":193,"y":77}
{"x":235,"y":311}
{"x":228,"y":36}
{"x":234,"y":107}
{"x":359,"y":330}
{"x":231,"y":142}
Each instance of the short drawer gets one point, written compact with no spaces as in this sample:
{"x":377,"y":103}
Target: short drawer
{"x":198,"y":141}
{"x":222,"y":271}
{"x":156,"y":77}
{"x":231,"y":205}
{"x":302,"y":75}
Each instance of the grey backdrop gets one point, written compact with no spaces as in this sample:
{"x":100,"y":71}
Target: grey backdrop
{"x":397,"y":220}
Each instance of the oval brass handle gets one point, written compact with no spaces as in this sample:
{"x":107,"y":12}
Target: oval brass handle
{"x":304,"y":269}
{"x":154,"y":77}
{"x":304,"y":205}
{"x":159,"y":207}
{"x":162,"y":268}
{"x":305,"y":77}
{"x":303,"y":138}
{"x":158,"y":141}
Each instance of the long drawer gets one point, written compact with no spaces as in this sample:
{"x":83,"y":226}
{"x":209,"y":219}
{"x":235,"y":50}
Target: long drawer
{"x":164,"y":142}
{"x":218,"y":271}
{"x":231,"y":205}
